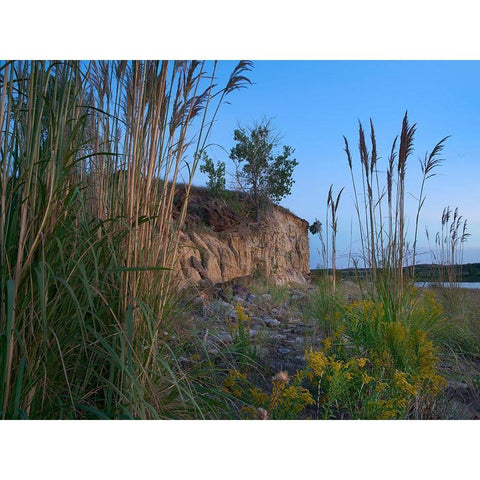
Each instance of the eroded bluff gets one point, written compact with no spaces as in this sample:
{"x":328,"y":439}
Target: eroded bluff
{"x":219,"y":245}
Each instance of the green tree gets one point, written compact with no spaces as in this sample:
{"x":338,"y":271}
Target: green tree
{"x":261,"y":170}
{"x":216,"y":175}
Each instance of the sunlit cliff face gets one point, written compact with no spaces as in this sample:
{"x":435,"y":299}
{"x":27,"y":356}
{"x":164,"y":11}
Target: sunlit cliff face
{"x":277,"y":248}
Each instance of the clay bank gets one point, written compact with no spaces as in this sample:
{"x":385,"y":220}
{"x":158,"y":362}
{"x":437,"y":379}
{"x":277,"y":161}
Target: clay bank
{"x":222,"y":241}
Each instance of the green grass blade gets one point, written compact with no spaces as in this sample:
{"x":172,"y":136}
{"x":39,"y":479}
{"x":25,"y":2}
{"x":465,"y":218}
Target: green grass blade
{"x":18,"y":388}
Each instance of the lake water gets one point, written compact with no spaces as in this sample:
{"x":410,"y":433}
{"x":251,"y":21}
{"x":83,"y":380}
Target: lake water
{"x":475,"y":285}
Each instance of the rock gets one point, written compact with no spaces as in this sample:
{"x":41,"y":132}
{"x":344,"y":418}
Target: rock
{"x":220,"y":308}
{"x":458,"y":385}
{"x":294,"y":321}
{"x":302,"y":329}
{"x":200,"y":300}
{"x":283,"y":350}
{"x":240,"y":291}
{"x":277,"y":337}
{"x":239,"y":300}
{"x":251,"y":297}
{"x":201,"y":303}
{"x":206,"y":283}
{"x":225,"y":337}
{"x":271,"y":322}
{"x":263,"y":352}
{"x":297,"y":295}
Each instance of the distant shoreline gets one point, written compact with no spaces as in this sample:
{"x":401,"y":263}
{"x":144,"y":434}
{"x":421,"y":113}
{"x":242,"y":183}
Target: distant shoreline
{"x":468,"y":272}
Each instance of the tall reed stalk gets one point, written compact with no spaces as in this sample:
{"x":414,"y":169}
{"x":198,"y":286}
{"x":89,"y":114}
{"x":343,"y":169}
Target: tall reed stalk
{"x":449,"y":241}
{"x":91,"y":154}
{"x":380,"y":209}
{"x":333,"y":205}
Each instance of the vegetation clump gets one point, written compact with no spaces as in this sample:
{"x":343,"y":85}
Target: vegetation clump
{"x":216,"y":176}
{"x":90,"y":157}
{"x":369,"y":367}
{"x":262,"y":171}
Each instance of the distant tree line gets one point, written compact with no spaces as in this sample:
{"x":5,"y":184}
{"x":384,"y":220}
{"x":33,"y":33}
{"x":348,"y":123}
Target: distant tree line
{"x":469,"y":272}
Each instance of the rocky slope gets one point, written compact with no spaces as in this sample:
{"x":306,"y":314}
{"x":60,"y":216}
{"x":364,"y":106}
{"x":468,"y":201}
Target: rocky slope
{"x":220,"y":244}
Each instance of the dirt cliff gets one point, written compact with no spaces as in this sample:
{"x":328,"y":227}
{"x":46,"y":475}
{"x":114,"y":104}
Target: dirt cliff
{"x":222,"y":241}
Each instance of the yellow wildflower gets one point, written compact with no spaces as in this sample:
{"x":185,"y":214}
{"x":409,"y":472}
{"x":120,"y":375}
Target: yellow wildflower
{"x":361,"y":362}
{"x":366,"y":378}
{"x":381,"y":386}
{"x":402,"y":383}
{"x":317,"y":361}
{"x":327,"y":344}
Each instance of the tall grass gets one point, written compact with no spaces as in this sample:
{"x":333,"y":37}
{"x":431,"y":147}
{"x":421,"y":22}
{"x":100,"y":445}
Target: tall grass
{"x":447,"y":257}
{"x":390,"y":331}
{"x":91,"y":153}
{"x":448,"y":251}
{"x":333,"y":205}
{"x":380,"y":210}
{"x":332,"y":225}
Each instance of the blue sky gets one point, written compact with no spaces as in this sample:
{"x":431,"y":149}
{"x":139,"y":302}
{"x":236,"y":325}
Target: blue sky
{"x":314,"y":103}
